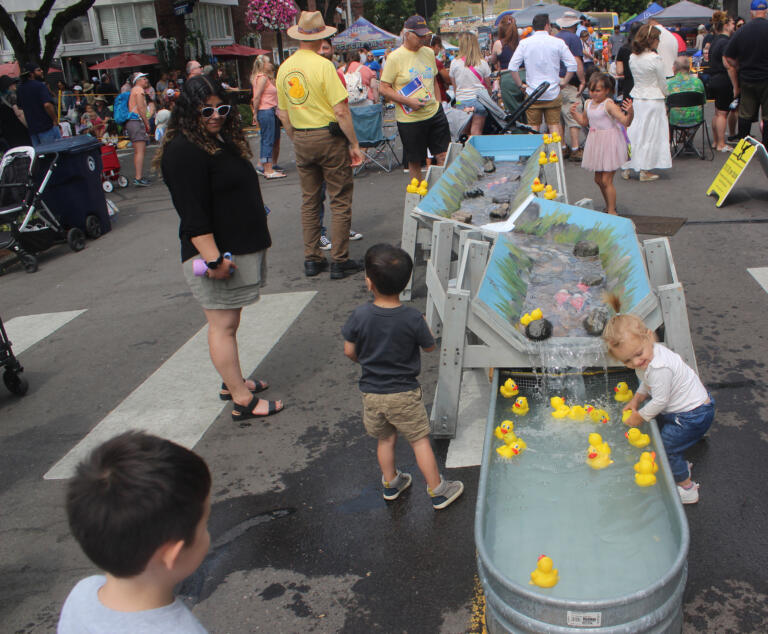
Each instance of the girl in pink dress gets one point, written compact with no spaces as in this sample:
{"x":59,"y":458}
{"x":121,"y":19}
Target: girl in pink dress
{"x":606,"y":148}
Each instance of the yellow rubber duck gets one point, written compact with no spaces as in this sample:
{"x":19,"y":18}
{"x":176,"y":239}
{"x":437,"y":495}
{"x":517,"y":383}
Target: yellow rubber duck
{"x":556,"y":401}
{"x":597,"y":415}
{"x":561,"y":411}
{"x":537,"y":313}
{"x":504,"y":430}
{"x":537,"y":186}
{"x":577,"y":413}
{"x":549,"y":193}
{"x":599,"y":453}
{"x":413,"y":186}
{"x":511,"y":449}
{"x":647,"y":457}
{"x":556,"y":138}
{"x":623,"y":393}
{"x":637,"y":438}
{"x":509,"y":389}
{"x":544,"y":576}
{"x":553,"y":157}
{"x":547,"y":138}
{"x":526,"y":319}
{"x":543,"y":158}
{"x":296,"y":90}
{"x":422,"y":189}
{"x":626,"y":414}
{"x":645,"y":474}
{"x":521,"y":406}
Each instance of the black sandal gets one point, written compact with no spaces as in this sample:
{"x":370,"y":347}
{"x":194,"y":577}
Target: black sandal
{"x":260,"y":387}
{"x":244,"y":412}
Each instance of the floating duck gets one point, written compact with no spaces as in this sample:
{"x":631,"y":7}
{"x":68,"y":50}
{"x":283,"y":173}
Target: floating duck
{"x":626,"y":414}
{"x":504,"y":430}
{"x":561,"y":410}
{"x":547,"y":138}
{"x":509,"y":389}
{"x":526,"y":319}
{"x":537,"y":313}
{"x":549,"y":193}
{"x":623,"y":393}
{"x":544,"y":576}
{"x":413,"y":186}
{"x":637,"y":438}
{"x":509,"y":450}
{"x":597,"y":415}
{"x":537,"y":186}
{"x":599,"y":453}
{"x":649,"y":457}
{"x":553,"y":157}
{"x":556,"y":401}
{"x":422,"y":189}
{"x":543,"y":158}
{"x":521,"y":406}
{"x":556,"y":138}
{"x":645,"y":473}
{"x":577,"y":413}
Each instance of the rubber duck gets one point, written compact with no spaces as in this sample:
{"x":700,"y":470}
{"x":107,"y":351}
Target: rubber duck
{"x":537,"y":186}
{"x":544,"y":576}
{"x":537,"y":313}
{"x":508,"y":450}
{"x":645,"y":474}
{"x":413,"y":186}
{"x":556,"y":138}
{"x":560,"y":411}
{"x":547,"y":138}
{"x":647,"y":457}
{"x":543,"y":158}
{"x":556,"y":401}
{"x":509,"y":389}
{"x":296,"y":90}
{"x":422,"y":189}
{"x":577,"y":413}
{"x":549,"y":193}
{"x":626,"y":414}
{"x":599,"y":453}
{"x":553,"y":157}
{"x":503,"y":430}
{"x":637,"y":438}
{"x":597,"y":415}
{"x":526,"y":319}
{"x":623,"y":393}
{"x":521,"y":406}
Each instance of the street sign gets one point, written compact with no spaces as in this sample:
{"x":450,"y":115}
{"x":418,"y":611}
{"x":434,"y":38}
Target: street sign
{"x":738,"y":160}
{"x":182,"y":7}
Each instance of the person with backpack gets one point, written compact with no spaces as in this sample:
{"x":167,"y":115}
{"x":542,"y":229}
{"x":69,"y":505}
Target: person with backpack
{"x":470,"y":75}
{"x":360,"y":81}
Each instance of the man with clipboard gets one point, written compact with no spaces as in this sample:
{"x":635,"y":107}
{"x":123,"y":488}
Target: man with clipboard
{"x":408,"y":79}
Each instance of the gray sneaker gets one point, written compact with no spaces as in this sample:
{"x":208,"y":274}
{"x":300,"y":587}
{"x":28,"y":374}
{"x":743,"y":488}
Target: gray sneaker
{"x":394,"y":488}
{"x":446,"y":493}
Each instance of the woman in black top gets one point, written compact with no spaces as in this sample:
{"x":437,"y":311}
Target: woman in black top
{"x":623,"y":72}
{"x":205,"y":162}
{"x":12,"y":127}
{"x":720,"y":85}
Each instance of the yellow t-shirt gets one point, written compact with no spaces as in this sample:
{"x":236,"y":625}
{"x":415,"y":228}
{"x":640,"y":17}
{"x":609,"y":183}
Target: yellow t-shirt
{"x":308,"y":88}
{"x":401,"y":67}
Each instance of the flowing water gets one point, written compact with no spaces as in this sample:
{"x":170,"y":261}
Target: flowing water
{"x":498,"y":188}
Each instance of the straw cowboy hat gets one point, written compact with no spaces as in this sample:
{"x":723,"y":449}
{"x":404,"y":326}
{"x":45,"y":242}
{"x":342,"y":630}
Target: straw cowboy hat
{"x":310,"y":27}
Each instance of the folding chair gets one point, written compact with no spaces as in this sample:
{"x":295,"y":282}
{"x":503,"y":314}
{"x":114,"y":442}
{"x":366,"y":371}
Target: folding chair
{"x":681,"y":137}
{"x":376,"y":146}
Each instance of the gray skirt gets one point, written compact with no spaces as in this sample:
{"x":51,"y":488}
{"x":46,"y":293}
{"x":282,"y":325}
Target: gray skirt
{"x":242,"y":288}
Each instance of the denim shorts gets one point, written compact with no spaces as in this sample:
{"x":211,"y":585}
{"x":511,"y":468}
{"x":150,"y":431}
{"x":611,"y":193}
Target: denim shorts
{"x":269,"y":131}
{"x":480,"y":109}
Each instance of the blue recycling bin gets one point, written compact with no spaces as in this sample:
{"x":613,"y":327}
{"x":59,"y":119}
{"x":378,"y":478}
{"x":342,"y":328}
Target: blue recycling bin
{"x":74,"y":192}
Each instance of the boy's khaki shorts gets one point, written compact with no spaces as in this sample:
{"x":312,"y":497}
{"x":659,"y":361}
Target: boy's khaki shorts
{"x":402,"y":412}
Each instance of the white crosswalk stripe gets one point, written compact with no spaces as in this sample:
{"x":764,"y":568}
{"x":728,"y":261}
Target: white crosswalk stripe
{"x":178,"y":401}
{"x":24,"y":332}
{"x":761,"y":275}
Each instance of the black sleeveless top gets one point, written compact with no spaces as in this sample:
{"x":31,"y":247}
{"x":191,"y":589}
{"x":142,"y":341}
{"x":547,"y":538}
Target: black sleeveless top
{"x":504,"y":57}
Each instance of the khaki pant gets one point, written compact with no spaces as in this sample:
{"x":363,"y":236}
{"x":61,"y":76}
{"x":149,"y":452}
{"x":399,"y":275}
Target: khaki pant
{"x":322,"y":157}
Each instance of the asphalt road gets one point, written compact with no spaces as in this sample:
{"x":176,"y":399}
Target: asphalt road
{"x":302,"y":541}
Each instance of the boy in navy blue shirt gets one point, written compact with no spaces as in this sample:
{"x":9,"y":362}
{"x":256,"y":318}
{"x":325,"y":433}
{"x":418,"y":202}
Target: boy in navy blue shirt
{"x":384,"y":337}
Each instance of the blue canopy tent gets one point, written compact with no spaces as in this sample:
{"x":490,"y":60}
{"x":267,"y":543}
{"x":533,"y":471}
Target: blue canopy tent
{"x":652,"y":9}
{"x":363,"y":33}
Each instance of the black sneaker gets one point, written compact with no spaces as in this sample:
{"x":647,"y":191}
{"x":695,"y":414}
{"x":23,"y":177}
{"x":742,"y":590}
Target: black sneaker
{"x":315,"y":267}
{"x":142,"y":182}
{"x":340,"y":270}
{"x":735,"y":138}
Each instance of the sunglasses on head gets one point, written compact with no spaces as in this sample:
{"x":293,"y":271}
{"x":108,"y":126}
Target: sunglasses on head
{"x":222,"y":111}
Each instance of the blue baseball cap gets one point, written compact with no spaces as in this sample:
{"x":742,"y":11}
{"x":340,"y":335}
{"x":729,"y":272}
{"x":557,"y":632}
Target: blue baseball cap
{"x":758,"y":5}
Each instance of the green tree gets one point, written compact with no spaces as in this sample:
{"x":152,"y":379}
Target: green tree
{"x":389,"y":14}
{"x":27,"y":48}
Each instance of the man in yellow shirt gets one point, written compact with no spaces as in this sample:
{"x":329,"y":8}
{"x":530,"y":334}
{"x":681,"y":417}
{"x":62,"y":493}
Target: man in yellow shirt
{"x":312,"y":106}
{"x":420,"y":119}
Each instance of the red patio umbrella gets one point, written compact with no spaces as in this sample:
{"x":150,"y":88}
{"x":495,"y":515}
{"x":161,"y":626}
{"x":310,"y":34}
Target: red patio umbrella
{"x":12,"y":69}
{"x":237,"y":50}
{"x":126,"y":60}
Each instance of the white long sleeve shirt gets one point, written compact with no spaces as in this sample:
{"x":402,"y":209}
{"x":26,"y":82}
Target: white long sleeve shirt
{"x":672,"y":385}
{"x":648,"y":72}
{"x":542,"y":53}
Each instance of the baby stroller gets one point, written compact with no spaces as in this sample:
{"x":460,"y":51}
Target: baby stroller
{"x":12,"y":378}
{"x":27,"y":225}
{"x":110,"y":169}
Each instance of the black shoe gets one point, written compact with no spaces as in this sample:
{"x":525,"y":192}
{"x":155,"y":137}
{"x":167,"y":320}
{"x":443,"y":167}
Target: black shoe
{"x":315,"y":267}
{"x":735,"y":138}
{"x":340,"y":270}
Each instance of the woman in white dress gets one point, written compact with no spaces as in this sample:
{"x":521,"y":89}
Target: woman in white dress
{"x":649,"y":132}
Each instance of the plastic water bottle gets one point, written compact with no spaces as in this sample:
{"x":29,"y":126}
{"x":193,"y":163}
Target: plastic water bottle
{"x":199,"y":267}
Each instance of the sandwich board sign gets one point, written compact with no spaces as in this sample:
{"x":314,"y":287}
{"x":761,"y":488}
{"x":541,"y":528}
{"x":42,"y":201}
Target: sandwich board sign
{"x":737,"y":161}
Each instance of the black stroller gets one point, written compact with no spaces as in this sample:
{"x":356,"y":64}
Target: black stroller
{"x":12,"y":377}
{"x":27,"y":225}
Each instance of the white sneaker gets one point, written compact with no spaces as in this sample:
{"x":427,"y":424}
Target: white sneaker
{"x":689,"y":496}
{"x":354,"y":235}
{"x":325,"y":243}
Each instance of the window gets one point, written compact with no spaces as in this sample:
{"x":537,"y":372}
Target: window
{"x":127,"y":23}
{"x":214,"y":21}
{"x":78,"y":30}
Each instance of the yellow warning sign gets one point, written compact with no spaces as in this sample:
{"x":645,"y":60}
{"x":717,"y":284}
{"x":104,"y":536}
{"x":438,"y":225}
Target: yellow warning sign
{"x":739,"y":158}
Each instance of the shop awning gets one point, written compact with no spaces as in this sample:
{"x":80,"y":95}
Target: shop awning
{"x":126,"y":60}
{"x":12,"y":69}
{"x":237,"y":50}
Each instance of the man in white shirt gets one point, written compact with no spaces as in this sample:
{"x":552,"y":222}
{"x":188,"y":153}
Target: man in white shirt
{"x":541,"y":54}
{"x":667,"y":48}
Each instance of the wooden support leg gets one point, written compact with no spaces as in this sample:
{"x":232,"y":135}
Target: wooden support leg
{"x":408,"y":240}
{"x":440,"y":261}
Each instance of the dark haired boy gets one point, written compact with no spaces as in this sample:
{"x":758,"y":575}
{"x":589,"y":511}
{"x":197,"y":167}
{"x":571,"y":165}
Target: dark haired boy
{"x":138,"y":506}
{"x":384,"y":337}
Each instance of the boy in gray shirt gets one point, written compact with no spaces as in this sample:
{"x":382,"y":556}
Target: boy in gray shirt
{"x":138,"y":506}
{"x":385,"y":337}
